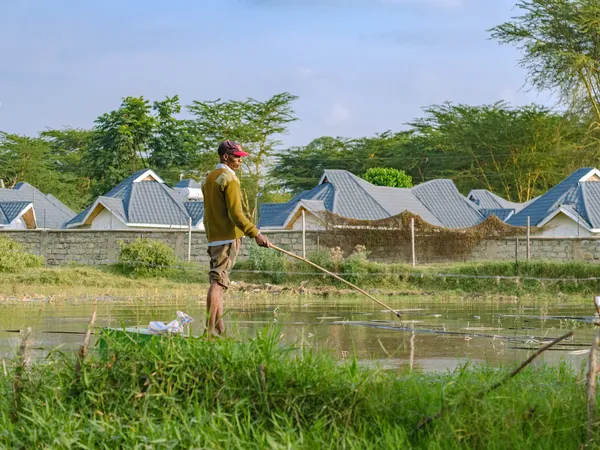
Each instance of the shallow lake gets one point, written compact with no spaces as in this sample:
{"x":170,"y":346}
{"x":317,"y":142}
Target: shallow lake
{"x":433,"y":335}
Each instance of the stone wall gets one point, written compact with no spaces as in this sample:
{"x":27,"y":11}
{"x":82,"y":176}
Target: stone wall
{"x":95,"y":247}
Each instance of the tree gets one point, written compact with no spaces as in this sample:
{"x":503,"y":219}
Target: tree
{"x":170,"y":147}
{"x":381,"y":176}
{"x":300,"y":168}
{"x":119,"y":145}
{"x":68,"y":149}
{"x":255,"y":124}
{"x":561,"y":48}
{"x":516,"y":152}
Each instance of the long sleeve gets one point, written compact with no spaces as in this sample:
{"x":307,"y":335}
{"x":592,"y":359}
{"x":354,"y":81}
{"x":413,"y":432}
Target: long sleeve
{"x":233,"y":199}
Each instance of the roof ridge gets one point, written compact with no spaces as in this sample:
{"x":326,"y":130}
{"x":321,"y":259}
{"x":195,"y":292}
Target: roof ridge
{"x":169,"y":194}
{"x":354,"y":179}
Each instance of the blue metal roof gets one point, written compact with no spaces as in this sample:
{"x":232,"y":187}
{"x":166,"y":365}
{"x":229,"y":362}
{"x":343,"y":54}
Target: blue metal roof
{"x":446,"y":203}
{"x":49,"y":211}
{"x":343,"y":193}
{"x":564,"y":193}
{"x":188,"y":183}
{"x":150,"y":202}
{"x":9,"y":211}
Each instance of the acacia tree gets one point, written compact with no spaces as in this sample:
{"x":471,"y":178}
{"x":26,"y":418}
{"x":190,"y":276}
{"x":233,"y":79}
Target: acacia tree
{"x":561,"y":48}
{"x":515,"y":152}
{"x":255,"y":124}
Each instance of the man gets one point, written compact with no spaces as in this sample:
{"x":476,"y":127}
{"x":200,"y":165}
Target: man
{"x":225,"y":224}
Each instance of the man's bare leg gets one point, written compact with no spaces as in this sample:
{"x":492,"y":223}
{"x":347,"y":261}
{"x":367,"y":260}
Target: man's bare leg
{"x":214,"y":306}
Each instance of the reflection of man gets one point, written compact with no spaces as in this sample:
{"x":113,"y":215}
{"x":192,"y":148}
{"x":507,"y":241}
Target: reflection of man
{"x":225,"y":225}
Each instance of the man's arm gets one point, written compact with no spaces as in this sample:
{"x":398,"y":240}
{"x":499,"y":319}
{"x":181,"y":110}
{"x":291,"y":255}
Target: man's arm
{"x":233,"y":199}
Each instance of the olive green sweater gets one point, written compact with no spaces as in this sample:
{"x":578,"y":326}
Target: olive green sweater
{"x":224,"y":218}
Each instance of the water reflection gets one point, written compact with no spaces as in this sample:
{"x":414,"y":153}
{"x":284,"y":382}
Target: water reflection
{"x":430,"y":336}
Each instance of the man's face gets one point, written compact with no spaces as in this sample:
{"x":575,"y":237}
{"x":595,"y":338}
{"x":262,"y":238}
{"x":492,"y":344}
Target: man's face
{"x":234,"y":162}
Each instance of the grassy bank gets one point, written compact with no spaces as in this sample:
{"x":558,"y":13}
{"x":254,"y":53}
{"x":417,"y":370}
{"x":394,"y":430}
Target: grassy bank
{"x":174,"y":393}
{"x":502,"y":278}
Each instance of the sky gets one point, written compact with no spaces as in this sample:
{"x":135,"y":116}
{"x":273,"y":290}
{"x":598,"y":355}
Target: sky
{"x":359,"y":67}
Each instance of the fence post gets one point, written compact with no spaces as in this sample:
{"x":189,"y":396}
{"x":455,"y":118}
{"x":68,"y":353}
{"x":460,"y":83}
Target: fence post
{"x":528,"y":238}
{"x":517,"y":250}
{"x":303,"y":234}
{"x":412,"y":240}
{"x":189,"y":239}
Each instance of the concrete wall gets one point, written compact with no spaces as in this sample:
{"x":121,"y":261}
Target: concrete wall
{"x":102,"y":246}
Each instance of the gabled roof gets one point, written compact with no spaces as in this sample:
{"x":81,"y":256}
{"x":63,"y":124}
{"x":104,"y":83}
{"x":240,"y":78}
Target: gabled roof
{"x":9,"y":211}
{"x":343,"y":193}
{"x":188,"y":183}
{"x":569,"y":192}
{"x":196,"y":211}
{"x":444,"y":200}
{"x":144,"y":199}
{"x":488,"y":200}
{"x":48,"y":210}
{"x":501,"y":213}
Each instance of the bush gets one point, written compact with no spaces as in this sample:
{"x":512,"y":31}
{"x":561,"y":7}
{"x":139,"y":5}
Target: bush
{"x":267,"y":260}
{"x":356,"y":264}
{"x":14,"y":257}
{"x":147,"y":257}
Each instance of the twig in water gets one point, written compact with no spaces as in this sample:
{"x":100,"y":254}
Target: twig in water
{"x":18,"y":381}
{"x":83,"y":349}
{"x":496,"y":385}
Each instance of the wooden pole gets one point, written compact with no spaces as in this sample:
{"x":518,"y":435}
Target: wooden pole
{"x":303,"y":234}
{"x":528,"y":238}
{"x":189,"y":239}
{"x":336,"y":277}
{"x":412,"y":241}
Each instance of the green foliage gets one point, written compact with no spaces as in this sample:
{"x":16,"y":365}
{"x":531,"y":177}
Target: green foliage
{"x":120,"y":143}
{"x":147,"y":257}
{"x":267,"y":260}
{"x":253,"y":123}
{"x":560,"y":48}
{"x":356,"y":265}
{"x":385,"y":176}
{"x":14,"y":257}
{"x":154,"y":392}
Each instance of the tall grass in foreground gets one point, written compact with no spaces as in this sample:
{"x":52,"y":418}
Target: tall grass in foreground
{"x":188,"y":393}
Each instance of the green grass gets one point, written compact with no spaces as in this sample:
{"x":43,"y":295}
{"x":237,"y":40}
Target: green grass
{"x":176,"y":393}
{"x":366,"y":274}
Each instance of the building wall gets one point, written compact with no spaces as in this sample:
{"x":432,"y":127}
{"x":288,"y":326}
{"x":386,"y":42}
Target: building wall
{"x":564,"y":226}
{"x":102,"y":246}
{"x":107,"y":221}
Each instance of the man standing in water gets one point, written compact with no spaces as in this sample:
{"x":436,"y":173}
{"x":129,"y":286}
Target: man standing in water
{"x":225,"y":224}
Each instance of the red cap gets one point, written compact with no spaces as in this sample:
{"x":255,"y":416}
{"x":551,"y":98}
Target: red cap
{"x":231,"y":148}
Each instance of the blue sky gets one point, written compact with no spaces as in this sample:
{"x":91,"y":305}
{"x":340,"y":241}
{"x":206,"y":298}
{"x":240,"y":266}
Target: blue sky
{"x":358,"y":66}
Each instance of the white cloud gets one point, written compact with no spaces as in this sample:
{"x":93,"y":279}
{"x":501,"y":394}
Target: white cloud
{"x":338,"y":115}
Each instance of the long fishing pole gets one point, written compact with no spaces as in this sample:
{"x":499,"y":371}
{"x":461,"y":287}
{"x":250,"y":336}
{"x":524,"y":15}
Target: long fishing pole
{"x":300,"y":258}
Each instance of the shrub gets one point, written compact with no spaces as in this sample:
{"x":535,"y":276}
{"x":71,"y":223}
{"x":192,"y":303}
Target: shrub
{"x":267,"y":260}
{"x":356,"y":264}
{"x":381,"y":176}
{"x":14,"y":257}
{"x":146,"y":257}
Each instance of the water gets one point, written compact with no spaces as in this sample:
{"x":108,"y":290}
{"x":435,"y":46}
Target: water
{"x":433,"y":335}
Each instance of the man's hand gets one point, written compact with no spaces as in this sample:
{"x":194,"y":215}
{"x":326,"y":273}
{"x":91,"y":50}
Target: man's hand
{"x":262,"y":240}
